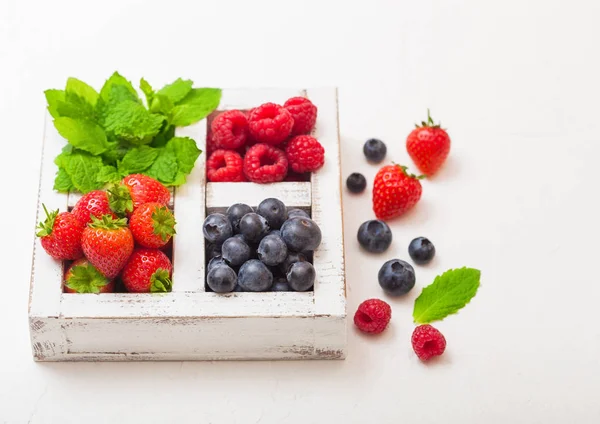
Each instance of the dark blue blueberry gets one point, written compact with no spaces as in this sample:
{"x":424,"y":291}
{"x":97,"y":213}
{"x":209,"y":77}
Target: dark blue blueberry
{"x":238,"y":288}
{"x":290,"y":259}
{"x":421,"y":250}
{"x":396,"y":277}
{"x":253,"y":227}
{"x":212,"y":250}
{"x":356,"y":183}
{"x":217,"y":260}
{"x":375,"y":236}
{"x":281,"y":285}
{"x":301,"y":234}
{"x":374,"y":150}
{"x":293,"y":213}
{"x":301,"y":276}
{"x":221,"y":279}
{"x":274,"y":211}
{"x":217,"y":228}
{"x":275,"y":233}
{"x":241,"y":237}
{"x":235,"y":251}
{"x":254,"y":276}
{"x":272,"y":250}
{"x":235,"y":213}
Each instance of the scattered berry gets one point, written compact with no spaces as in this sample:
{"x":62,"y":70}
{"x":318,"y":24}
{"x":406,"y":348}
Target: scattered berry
{"x":254,"y":276}
{"x":265,"y":164}
{"x":301,"y":276}
{"x":225,"y":166}
{"x":305,"y":154}
{"x":421,"y":250}
{"x":373,"y":316}
{"x":272,"y":250}
{"x":83,"y":277}
{"x":375,"y":150}
{"x":356,"y":183}
{"x":152,"y":225}
{"x":428,"y":146}
{"x":60,"y":235}
{"x":304,"y":113}
{"x":301,"y":234}
{"x":135,"y":190}
{"x":394,"y":192}
{"x":230,"y":129}
{"x":235,"y":251}
{"x":147,"y":271}
{"x":290,"y":259}
{"x":396,"y":277}
{"x":235,"y":212}
{"x":221,"y":279}
{"x":293,"y":213}
{"x":428,"y":342}
{"x":274,"y":211}
{"x":281,"y":285}
{"x":217,"y":260}
{"x":217,"y":228}
{"x":253,"y":227}
{"x":95,"y":203}
{"x":374,"y":236}
{"x":270,"y":123}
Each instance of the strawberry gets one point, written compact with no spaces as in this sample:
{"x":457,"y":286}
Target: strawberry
{"x":428,"y":146}
{"x":394,"y":191}
{"x":83,"y":277}
{"x":147,"y":271}
{"x":107,"y":244}
{"x":152,"y":225}
{"x":135,"y":190}
{"x":93,"y":203}
{"x":61,"y":235}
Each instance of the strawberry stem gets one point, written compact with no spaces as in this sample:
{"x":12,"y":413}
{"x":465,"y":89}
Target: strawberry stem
{"x":119,"y":199}
{"x":405,"y":172}
{"x":86,"y":279}
{"x":47,"y":225}
{"x":160,"y":281}
{"x":107,"y":222}
{"x":163,"y":223}
{"x":429,"y":123}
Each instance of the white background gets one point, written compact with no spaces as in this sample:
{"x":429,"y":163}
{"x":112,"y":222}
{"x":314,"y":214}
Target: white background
{"x":516,"y":83}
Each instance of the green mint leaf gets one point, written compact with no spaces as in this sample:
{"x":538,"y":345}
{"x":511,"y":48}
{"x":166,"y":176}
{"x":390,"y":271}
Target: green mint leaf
{"x":164,"y":168}
{"x":54,"y":98}
{"x":448,"y":293}
{"x":147,"y":90}
{"x":79,"y":92}
{"x":132,"y":122}
{"x":180,"y":179}
{"x":62,"y":182}
{"x":161,"y":104}
{"x":60,"y":159}
{"x":167,"y":133}
{"x":186,"y":152}
{"x":177,"y":90}
{"x":137,"y":160}
{"x":197,"y":105}
{"x":83,"y":169}
{"x":84,"y":135}
{"x":107,"y":174}
{"x":117,"y":80}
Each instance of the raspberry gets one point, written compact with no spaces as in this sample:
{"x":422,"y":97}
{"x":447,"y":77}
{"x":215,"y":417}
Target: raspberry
{"x":304,"y":114}
{"x":270,"y":123}
{"x":305,"y":154}
{"x":265,"y":164}
{"x":428,"y":342}
{"x":230,"y":129}
{"x":373,"y":316}
{"x":224,"y":166}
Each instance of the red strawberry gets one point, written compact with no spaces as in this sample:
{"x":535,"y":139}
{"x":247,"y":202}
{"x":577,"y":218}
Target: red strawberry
{"x":152,"y":225}
{"x":61,"y":235}
{"x":83,"y":277}
{"x":93,"y":203}
{"x":135,"y":190}
{"x":107,"y":243}
{"x":394,"y":191}
{"x":148,"y":271}
{"x":428,"y":146}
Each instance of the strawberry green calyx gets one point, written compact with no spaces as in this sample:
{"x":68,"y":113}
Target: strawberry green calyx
{"x":48,"y":224}
{"x":119,"y":199}
{"x":429,"y":123}
{"x":405,"y":172}
{"x":160,"y":281}
{"x":107,"y":222}
{"x":163,"y":223}
{"x":86,"y":279}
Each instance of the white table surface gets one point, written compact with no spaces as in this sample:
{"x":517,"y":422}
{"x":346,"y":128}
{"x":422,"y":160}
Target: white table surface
{"x":517,"y":85}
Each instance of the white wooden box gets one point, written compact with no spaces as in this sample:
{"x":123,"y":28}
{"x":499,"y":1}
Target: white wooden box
{"x":189,"y":323}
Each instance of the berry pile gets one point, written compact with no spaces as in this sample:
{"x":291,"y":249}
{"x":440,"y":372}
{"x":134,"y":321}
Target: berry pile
{"x":267,"y":144}
{"x":267,"y":249}
{"x":116,"y":234}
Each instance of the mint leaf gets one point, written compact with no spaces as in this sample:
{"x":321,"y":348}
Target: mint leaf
{"x":161,"y":104}
{"x":60,"y":159}
{"x":197,"y":105}
{"x":116,"y":80}
{"x":448,"y":293}
{"x":167,"y":133}
{"x":107,"y":174}
{"x":79,"y":92}
{"x":131,"y":121}
{"x":137,"y":160}
{"x":62,"y":182}
{"x":165,"y":167}
{"x":176,"y":90}
{"x":147,"y":90}
{"x":83,"y":169}
{"x":185,"y":151}
{"x":84,"y":135}
{"x":54,"y":98}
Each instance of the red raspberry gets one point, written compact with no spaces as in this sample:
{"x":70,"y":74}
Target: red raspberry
{"x":265,"y":164}
{"x":305,"y":154}
{"x":428,"y":342}
{"x":373,"y":316}
{"x":304,"y":114}
{"x":230,"y":129}
{"x":224,"y":166}
{"x":270,"y":123}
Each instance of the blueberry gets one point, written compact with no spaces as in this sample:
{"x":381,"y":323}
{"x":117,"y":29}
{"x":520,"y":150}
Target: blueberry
{"x":235,"y":251}
{"x":421,"y":250}
{"x":301,"y":234}
{"x":217,"y":260}
{"x":272,"y":250}
{"x":235,"y":212}
{"x":275,"y":233}
{"x":254,"y":276}
{"x":274,"y":211}
{"x":290,"y":259}
{"x":293,"y":213}
{"x":301,"y":276}
{"x":241,"y":237}
{"x":281,"y":285}
{"x":375,"y":236}
{"x":238,"y":288}
{"x":374,"y":150}
{"x":217,"y":228}
{"x":396,"y":277}
{"x":221,"y":279}
{"x":212,"y":250}
{"x":356,"y":183}
{"x":253,"y":227}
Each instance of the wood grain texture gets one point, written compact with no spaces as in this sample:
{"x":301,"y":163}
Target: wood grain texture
{"x":223,"y":195}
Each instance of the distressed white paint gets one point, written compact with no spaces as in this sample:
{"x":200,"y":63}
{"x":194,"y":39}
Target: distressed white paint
{"x":190,"y":323}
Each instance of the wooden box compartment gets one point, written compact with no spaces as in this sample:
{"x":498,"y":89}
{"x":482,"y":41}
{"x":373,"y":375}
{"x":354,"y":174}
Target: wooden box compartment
{"x":190,"y":323}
